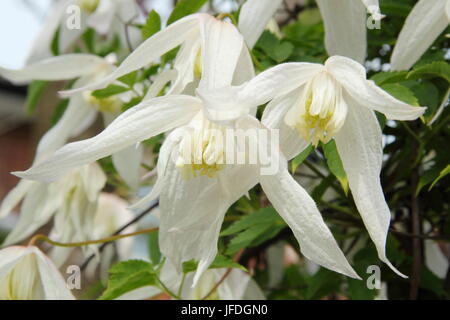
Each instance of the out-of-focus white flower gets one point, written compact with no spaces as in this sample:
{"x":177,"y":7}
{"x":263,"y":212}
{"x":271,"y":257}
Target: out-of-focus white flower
{"x":312,"y":103}
{"x":104,"y":16}
{"x":27,"y":274}
{"x":112,"y":213}
{"x":83,"y":107}
{"x":425,"y":23}
{"x":71,"y":200}
{"x":238,"y":285}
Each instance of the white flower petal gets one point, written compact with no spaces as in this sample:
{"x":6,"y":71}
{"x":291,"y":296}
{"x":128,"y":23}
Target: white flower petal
{"x":102,"y":18}
{"x":345,"y":28}
{"x":221,"y":49}
{"x":41,"y":45}
{"x":139,"y":123}
{"x":300,"y":212}
{"x":230,"y":103}
{"x":359,"y":145}
{"x":291,"y":144}
{"x":63,"y":67}
{"x":128,"y":164}
{"x":352,"y":76}
{"x":75,"y":120}
{"x":14,"y":197}
{"x":53,"y":283}
{"x":425,"y":23}
{"x":94,"y":180}
{"x":245,"y":71}
{"x":254,"y":17}
{"x":150,"y":50}
{"x":192,"y":212}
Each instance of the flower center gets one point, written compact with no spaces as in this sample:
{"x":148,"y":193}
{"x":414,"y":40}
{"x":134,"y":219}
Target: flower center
{"x":198,"y":65}
{"x":320,"y":111}
{"x":22,"y":282}
{"x":110,"y":104}
{"x":89,"y":5}
{"x":202,"y":149}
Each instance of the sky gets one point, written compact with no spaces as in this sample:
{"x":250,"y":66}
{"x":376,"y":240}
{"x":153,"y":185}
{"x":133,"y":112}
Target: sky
{"x":19,"y":25}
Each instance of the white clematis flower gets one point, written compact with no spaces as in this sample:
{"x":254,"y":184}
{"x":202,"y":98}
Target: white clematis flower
{"x":27,"y":274}
{"x":313,"y":103}
{"x":195,"y":195}
{"x":83,"y":107}
{"x":425,"y":23}
{"x":72,"y":201}
{"x":238,"y":285}
{"x":345,"y":23}
{"x":103,"y":16}
{"x":194,"y":34}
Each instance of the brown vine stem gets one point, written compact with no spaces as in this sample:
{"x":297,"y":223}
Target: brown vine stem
{"x":224,"y":277}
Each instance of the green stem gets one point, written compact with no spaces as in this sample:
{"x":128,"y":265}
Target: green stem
{"x":86,"y":243}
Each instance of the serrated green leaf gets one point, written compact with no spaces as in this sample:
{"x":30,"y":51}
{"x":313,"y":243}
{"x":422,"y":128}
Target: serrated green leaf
{"x":225,"y":262}
{"x":127,"y":276}
{"x":334,"y":163}
{"x":109,"y":91}
{"x":401,"y":93}
{"x":263,"y":216}
{"x":152,"y":25}
{"x":184,"y":8}
{"x":298,"y":160}
{"x":35,"y":91}
{"x":436,"y":69}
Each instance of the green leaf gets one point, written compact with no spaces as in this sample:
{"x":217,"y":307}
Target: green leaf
{"x":153,"y":248}
{"x":59,"y":111}
{"x":262,"y":216}
{"x":254,"y":229}
{"x":54,"y":45}
{"x":152,"y":25}
{"x":401,"y":93}
{"x":442,"y":174}
{"x":129,"y":79}
{"x":109,"y":91}
{"x":189,"y":266}
{"x":298,"y":160}
{"x":184,"y":8}
{"x":127,"y":276}
{"x":133,"y":102}
{"x":436,"y":69}
{"x":277,"y":50}
{"x":225,"y":262}
{"x":35,"y":91}
{"x":389,"y":77}
{"x":334,"y":163}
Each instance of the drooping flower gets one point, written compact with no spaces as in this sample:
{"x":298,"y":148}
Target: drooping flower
{"x":71,"y":201}
{"x":195,"y":186}
{"x":27,"y":274}
{"x":82,"y":108}
{"x":312,"y":103}
{"x":103,"y":16}
{"x":426,"y":21}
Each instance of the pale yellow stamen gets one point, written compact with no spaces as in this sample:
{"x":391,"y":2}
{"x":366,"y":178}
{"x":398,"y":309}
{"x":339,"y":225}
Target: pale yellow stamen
{"x":321,"y":110}
{"x":89,"y":5}
{"x":202,"y":150}
{"x":110,"y":104}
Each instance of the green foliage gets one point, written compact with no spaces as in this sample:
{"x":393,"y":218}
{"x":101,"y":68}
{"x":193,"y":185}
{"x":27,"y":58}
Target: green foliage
{"x":152,"y":25}
{"x":128,"y":276}
{"x":109,"y":91}
{"x":335,"y":163}
{"x":184,"y":8}
{"x":35,"y":91}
